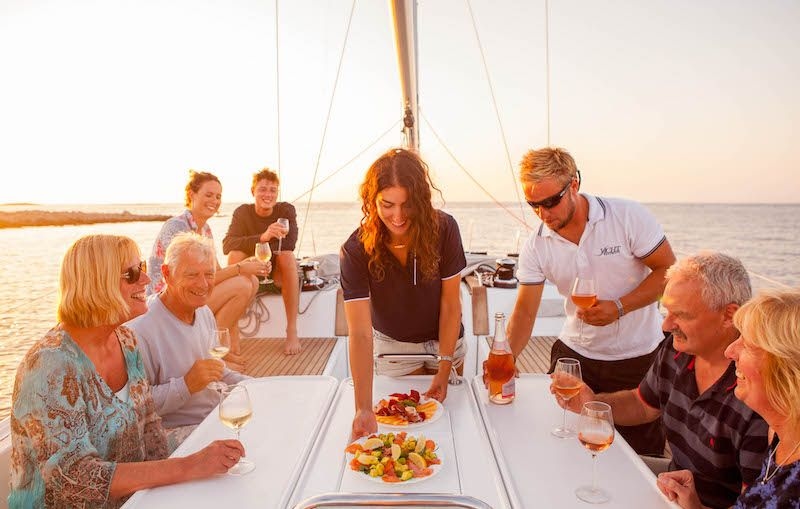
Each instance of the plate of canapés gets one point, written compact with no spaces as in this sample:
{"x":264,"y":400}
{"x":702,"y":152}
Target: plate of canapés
{"x":407,"y":410}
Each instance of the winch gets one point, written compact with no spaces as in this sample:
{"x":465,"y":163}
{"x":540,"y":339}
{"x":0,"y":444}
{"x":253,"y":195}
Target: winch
{"x":504,"y":273}
{"x":311,"y":281}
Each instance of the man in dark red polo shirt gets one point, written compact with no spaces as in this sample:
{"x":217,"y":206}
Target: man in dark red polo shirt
{"x":690,"y":384}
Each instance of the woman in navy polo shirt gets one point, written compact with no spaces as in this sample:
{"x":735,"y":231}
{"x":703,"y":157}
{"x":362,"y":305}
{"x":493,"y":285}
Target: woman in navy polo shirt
{"x":767,"y":356}
{"x":401,"y":271}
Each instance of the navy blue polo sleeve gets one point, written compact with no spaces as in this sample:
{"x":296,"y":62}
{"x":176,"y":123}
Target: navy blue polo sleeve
{"x":453,"y":258}
{"x":353,"y":263}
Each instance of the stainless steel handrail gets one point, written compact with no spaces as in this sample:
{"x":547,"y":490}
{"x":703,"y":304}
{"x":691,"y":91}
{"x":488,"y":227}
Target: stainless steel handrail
{"x":391,"y":500}
{"x":454,"y":379}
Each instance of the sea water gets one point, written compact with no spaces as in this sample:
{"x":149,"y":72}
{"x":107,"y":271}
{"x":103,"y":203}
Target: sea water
{"x":764,"y":237}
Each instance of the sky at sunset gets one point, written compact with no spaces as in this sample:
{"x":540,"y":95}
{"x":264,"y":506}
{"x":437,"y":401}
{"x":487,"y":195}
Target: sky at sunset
{"x":661,"y":101}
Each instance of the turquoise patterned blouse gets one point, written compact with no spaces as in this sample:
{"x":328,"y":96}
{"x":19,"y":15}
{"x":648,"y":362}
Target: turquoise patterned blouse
{"x":69,"y":430}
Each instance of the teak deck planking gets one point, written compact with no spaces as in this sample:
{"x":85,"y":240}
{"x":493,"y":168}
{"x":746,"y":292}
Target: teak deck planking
{"x":265,"y":357}
{"x":535,"y":358}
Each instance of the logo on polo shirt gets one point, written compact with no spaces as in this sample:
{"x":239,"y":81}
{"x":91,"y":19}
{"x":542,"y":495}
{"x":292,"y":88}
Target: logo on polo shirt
{"x":609,"y":250}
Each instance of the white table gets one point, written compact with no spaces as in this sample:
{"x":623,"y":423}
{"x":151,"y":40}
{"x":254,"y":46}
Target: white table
{"x":287,"y":415}
{"x":541,"y":470}
{"x":468,"y":466}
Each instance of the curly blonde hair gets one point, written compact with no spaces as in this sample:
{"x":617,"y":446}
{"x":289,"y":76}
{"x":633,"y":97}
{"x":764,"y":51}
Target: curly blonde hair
{"x":403,"y":168}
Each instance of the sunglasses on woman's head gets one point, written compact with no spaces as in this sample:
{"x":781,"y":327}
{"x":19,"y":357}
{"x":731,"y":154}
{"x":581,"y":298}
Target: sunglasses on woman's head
{"x":133,"y":274}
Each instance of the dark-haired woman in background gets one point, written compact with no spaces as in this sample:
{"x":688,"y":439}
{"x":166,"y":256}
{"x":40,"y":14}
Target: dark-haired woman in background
{"x":401,"y":271}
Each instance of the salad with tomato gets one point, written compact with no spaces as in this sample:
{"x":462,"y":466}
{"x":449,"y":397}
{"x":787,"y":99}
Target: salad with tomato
{"x":394,"y":457}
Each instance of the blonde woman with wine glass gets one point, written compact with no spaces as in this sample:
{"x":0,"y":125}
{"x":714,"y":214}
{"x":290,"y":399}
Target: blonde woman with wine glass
{"x":84,"y":428}
{"x":767,"y":357}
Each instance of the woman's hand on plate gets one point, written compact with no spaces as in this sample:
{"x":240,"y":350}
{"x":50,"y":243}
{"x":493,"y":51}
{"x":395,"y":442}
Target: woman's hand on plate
{"x":364,"y":424}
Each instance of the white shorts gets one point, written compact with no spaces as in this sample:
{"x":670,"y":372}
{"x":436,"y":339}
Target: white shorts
{"x":384,"y":344}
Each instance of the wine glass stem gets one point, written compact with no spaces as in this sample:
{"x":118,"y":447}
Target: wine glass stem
{"x":564,"y":419}
{"x":581,"y":332}
{"x":594,"y":472}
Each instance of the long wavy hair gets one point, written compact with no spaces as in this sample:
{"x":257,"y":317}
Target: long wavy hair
{"x":403,"y":168}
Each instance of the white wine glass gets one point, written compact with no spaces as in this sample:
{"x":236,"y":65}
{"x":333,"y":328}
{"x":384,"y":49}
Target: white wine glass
{"x":596,"y":434}
{"x":220,"y":346}
{"x":567,"y":383}
{"x":235,"y":411}
{"x":285,"y":225}
{"x":264,"y":254}
{"x":584,"y":295}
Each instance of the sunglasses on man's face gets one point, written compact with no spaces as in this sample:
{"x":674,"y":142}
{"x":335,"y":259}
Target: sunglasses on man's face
{"x":133,"y":274}
{"x":550,"y":202}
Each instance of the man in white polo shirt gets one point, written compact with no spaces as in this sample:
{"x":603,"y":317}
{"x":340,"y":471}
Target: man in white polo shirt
{"x":622,"y":246}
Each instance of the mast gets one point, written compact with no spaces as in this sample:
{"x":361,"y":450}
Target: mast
{"x":404,"y":17}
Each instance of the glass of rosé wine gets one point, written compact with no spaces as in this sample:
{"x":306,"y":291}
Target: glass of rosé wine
{"x":567,"y":383}
{"x":584,"y":295}
{"x":596,"y":434}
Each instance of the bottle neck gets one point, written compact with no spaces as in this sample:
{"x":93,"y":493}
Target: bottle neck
{"x":500,"y":342}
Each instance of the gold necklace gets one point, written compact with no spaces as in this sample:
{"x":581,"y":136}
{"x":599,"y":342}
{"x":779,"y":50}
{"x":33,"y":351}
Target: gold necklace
{"x":767,"y":474}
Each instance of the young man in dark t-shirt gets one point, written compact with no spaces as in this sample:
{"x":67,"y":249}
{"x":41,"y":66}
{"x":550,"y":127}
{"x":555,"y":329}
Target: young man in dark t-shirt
{"x":258,"y":222}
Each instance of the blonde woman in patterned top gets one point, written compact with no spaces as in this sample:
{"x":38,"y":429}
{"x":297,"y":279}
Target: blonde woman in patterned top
{"x":84,"y":429}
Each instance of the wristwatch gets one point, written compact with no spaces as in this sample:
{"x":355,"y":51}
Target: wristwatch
{"x":620,"y":309}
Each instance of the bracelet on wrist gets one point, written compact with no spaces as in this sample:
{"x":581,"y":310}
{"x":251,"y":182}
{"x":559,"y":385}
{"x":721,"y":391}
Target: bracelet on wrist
{"x":448,"y":358}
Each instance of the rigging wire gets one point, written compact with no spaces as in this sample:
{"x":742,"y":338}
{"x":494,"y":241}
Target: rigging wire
{"x":547,"y":64}
{"x":750,"y":272}
{"x":348,"y":163}
{"x":497,"y":113}
{"x":34,"y":299}
{"x":278,"y":94}
{"x":474,"y":180}
{"x":327,"y":119}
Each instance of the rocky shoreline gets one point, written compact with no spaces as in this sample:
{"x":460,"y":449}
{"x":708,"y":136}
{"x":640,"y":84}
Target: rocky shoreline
{"x":23,"y":218}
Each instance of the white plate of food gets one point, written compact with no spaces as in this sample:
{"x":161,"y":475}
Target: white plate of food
{"x":407,"y":411}
{"x":394,"y":458}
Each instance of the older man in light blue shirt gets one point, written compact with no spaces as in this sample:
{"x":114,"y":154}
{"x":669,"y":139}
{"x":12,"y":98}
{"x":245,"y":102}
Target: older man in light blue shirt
{"x":177,"y":332}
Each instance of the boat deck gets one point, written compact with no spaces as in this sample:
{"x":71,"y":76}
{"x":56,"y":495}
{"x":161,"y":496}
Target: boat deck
{"x":535,"y":358}
{"x":265,"y":356}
